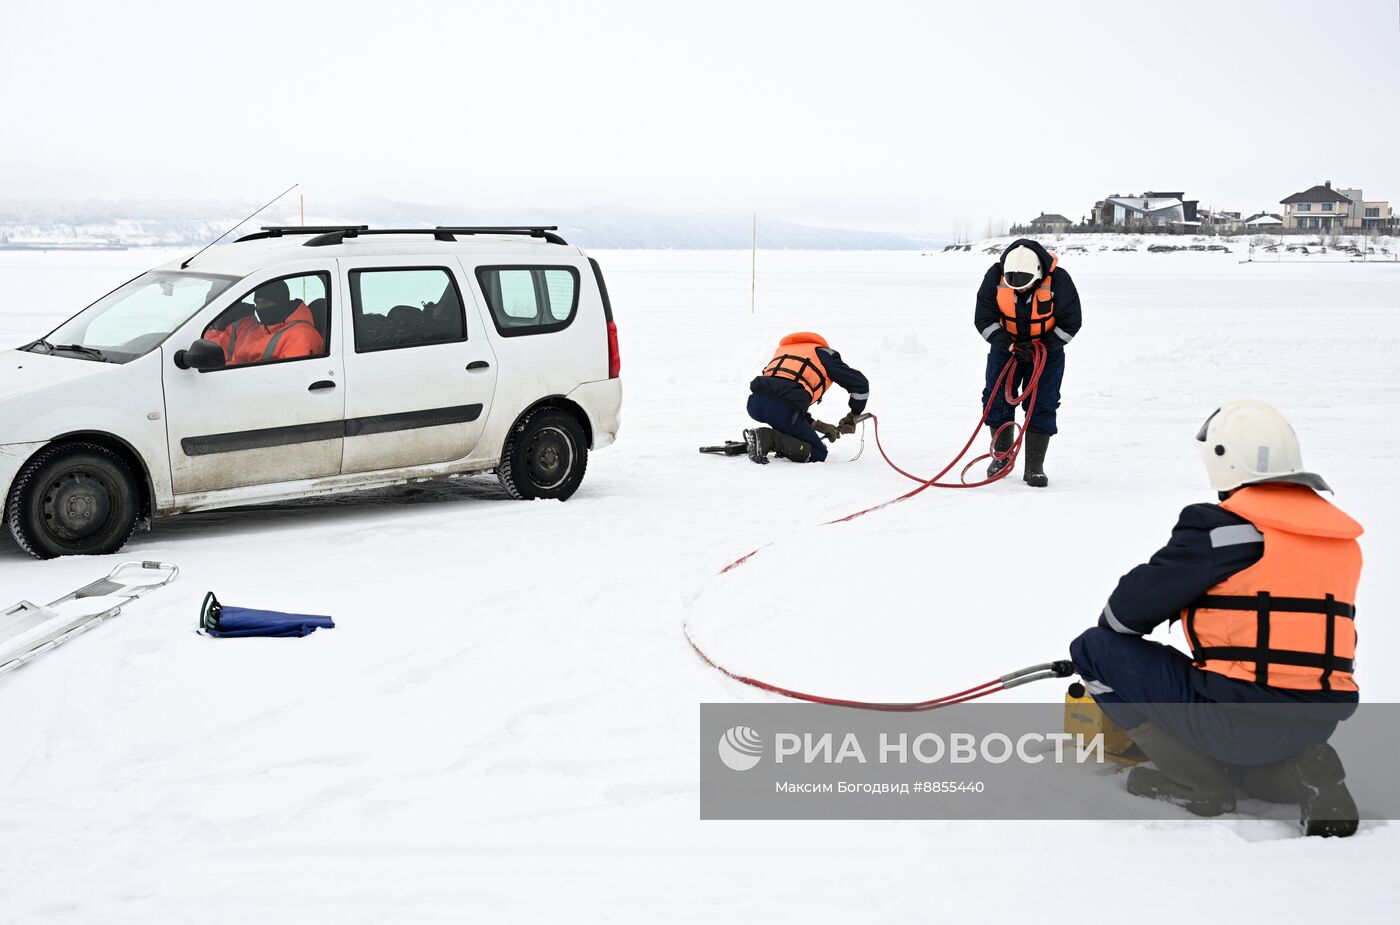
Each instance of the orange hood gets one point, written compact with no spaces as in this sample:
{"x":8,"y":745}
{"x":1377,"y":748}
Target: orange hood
{"x":1293,"y":508}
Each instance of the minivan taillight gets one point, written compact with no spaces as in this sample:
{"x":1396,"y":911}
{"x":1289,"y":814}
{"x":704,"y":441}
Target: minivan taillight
{"x":614,"y":356}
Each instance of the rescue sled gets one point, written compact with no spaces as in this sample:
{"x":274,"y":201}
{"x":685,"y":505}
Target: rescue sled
{"x":28,"y":630}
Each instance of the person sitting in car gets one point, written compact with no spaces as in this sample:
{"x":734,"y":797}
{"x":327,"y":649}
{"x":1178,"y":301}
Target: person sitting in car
{"x":279,"y":328}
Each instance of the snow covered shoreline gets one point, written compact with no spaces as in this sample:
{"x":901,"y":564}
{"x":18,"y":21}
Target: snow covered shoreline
{"x":1252,"y":246}
{"x":503,"y":726}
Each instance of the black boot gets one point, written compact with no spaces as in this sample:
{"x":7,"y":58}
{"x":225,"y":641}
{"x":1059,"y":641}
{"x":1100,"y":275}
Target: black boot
{"x":1182,"y":775}
{"x":1001,"y":444}
{"x":790,"y":447}
{"x":759,"y":443}
{"x":1034,"y":472}
{"x":1315,"y":781}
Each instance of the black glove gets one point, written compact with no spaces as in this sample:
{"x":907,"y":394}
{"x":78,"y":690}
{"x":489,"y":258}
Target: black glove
{"x":829,"y":431}
{"x":1021,"y":350}
{"x":847,"y":424}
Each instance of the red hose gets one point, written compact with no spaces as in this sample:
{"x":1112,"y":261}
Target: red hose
{"x":972,"y":693}
{"x":1005,"y":380}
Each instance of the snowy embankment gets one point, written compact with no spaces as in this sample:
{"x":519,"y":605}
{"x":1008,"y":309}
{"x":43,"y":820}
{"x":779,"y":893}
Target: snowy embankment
{"x":1258,"y":246}
{"x":503,"y":725}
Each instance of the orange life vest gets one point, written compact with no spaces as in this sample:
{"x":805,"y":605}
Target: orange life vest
{"x":1287,"y":621}
{"x":1042,"y":307}
{"x":796,"y":358}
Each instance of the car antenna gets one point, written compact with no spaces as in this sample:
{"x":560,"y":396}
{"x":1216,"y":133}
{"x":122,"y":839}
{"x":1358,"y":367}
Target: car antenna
{"x":236,"y":227}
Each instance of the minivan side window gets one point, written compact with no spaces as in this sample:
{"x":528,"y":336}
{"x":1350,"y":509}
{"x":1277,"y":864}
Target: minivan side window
{"x":405,"y":307}
{"x":530,"y":299}
{"x":282,"y":319}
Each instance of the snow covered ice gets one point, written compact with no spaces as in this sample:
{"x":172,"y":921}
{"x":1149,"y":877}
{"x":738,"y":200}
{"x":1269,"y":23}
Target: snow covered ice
{"x":503,"y":725}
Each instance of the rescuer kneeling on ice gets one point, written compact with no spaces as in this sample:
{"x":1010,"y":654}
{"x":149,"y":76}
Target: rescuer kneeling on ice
{"x":1264,"y":584}
{"x":1026,"y":297}
{"x":803,"y":367}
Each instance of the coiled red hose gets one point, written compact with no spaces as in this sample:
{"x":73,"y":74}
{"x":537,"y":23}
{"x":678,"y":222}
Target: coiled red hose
{"x":1005,"y":383}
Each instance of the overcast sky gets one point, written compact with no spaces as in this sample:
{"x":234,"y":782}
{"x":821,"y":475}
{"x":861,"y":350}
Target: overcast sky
{"x":880,"y":115}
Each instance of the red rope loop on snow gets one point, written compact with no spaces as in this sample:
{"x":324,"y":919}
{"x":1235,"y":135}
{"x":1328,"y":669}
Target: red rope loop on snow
{"x":1006,"y":383}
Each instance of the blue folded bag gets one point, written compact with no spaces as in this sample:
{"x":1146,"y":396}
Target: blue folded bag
{"x":218,"y":620}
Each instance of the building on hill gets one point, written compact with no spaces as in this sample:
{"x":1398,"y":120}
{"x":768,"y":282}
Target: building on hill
{"x":1188,"y":206}
{"x":1263,"y":221}
{"x":1219,"y":219}
{"x":1324,"y":208}
{"x":1150,"y":208}
{"x":1140,"y":210}
{"x":1050,"y":223}
{"x":1366,"y":215}
{"x":1320,"y":208}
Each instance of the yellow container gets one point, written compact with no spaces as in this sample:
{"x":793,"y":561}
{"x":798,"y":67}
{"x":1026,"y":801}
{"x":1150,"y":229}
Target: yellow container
{"x":1084,"y":717}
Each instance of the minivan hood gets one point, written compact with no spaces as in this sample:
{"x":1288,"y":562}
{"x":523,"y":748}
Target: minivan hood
{"x":22,"y":371}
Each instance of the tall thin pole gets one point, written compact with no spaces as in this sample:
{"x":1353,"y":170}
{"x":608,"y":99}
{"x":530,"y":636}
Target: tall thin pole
{"x":302,"y":196}
{"x":753,"y":272}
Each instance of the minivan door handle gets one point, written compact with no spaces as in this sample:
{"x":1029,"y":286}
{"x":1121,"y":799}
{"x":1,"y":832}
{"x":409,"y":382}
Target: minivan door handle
{"x":320,"y":384}
{"x":477,"y":364}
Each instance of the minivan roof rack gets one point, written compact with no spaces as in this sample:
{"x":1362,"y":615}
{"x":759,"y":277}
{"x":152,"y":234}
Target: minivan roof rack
{"x":277,"y":231}
{"x":336,"y":234}
{"x":534,"y":231}
{"x":440,"y":233}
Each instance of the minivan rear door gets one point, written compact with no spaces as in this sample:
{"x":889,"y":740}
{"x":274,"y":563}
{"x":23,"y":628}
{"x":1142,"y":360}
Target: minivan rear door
{"x":420,"y":372}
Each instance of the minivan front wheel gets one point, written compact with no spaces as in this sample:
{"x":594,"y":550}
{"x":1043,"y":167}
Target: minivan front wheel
{"x":544,"y":457}
{"x":77,"y":499}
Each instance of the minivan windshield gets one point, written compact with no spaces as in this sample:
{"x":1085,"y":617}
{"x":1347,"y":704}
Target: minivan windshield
{"x":133,"y":320}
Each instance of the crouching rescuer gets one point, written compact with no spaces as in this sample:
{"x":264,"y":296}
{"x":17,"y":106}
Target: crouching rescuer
{"x":1026,"y":296}
{"x":1263,"y":584}
{"x":803,"y":368}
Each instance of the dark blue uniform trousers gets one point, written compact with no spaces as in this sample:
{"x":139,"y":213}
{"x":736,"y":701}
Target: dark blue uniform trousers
{"x":779,"y":415}
{"x":1151,"y":681}
{"x":1047,"y":399}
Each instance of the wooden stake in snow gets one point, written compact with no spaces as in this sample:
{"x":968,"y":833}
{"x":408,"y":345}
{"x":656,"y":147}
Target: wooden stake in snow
{"x":753,"y":270}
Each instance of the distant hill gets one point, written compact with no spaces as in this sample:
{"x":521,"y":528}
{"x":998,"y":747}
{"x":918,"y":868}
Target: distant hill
{"x":141,"y":223}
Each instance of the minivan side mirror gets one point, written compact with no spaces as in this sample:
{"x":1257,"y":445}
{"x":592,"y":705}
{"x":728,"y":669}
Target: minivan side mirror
{"x":203,"y":355}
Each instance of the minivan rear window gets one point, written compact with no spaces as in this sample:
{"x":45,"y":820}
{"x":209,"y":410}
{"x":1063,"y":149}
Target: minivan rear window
{"x":530,"y":299}
{"x":395,"y":307}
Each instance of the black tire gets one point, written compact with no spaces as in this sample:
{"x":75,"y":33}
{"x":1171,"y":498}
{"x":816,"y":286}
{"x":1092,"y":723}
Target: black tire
{"x":74,"y":499}
{"x":545,"y":456}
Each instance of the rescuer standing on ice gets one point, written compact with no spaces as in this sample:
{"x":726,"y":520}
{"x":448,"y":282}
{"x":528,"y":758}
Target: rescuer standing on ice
{"x":1264,"y":584}
{"x":1026,"y":296}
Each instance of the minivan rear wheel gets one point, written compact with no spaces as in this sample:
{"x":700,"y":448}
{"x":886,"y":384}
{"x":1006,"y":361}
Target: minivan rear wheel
{"x":545,"y":456}
{"x":76,"y":499}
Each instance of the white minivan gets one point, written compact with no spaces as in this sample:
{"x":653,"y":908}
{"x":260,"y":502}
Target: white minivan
{"x":310,"y":360}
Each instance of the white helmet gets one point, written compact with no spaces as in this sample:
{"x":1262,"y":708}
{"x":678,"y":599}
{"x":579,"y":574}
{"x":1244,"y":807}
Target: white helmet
{"x":1021,"y":267}
{"x":1248,"y":441}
